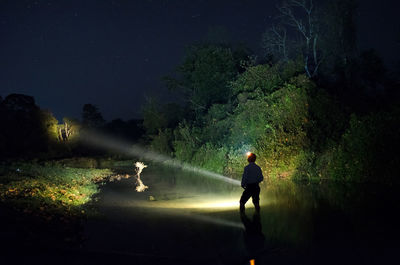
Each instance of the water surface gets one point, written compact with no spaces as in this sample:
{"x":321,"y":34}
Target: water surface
{"x":189,"y":219}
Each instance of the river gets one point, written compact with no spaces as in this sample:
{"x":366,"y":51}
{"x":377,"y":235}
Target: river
{"x":189,"y":219}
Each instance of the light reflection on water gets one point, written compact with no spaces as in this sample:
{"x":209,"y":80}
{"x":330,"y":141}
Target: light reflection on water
{"x":297,"y":221}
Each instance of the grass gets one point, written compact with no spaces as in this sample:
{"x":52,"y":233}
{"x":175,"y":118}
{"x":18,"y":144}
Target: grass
{"x":49,"y":189}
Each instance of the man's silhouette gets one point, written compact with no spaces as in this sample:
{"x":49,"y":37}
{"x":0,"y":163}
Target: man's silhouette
{"x":252,"y":176}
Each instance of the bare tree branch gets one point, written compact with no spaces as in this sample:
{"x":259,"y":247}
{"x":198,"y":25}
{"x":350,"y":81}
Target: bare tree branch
{"x":308,"y":30}
{"x":275,"y":41}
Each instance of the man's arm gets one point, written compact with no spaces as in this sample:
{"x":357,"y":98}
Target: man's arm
{"x":244,"y":178}
{"x":261,"y":177}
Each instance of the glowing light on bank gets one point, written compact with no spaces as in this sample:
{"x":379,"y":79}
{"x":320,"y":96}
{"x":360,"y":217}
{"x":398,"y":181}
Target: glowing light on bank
{"x":111,"y":144}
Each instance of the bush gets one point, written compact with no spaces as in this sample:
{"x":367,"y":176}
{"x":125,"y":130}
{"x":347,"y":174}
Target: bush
{"x":211,"y":158}
{"x":248,"y":123}
{"x":162,"y":142}
{"x":216,"y":124}
{"x":236,"y":161}
{"x":282,"y":144}
{"x":328,"y":120}
{"x":185,"y":142}
{"x":258,"y":78}
{"x":368,"y":150}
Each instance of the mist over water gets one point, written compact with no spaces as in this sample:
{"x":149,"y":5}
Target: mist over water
{"x":111,"y":144}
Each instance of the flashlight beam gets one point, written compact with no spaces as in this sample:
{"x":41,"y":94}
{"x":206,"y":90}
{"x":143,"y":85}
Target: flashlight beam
{"x":108,"y":143}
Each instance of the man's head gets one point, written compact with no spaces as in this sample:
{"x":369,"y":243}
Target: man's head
{"x":251,"y":157}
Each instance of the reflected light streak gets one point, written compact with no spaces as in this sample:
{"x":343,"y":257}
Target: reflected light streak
{"x":197,"y":211}
{"x":108,"y":143}
{"x":215,"y":220}
{"x":188,"y":204}
{"x":179,"y":210}
{"x":191,"y":204}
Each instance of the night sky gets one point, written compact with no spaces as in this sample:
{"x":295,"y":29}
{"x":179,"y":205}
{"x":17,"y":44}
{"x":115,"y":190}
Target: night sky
{"x":113,"y":53}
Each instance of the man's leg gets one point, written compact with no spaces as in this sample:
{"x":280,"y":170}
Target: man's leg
{"x":245,"y":197}
{"x":256,"y":198}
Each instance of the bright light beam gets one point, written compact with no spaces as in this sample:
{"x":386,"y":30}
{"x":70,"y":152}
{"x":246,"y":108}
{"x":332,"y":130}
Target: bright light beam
{"x":108,"y":143}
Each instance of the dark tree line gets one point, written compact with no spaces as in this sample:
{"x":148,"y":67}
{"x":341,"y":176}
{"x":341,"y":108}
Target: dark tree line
{"x":27,"y":131}
{"x":24,"y":126}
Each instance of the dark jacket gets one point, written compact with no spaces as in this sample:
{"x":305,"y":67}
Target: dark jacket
{"x":252,"y":174}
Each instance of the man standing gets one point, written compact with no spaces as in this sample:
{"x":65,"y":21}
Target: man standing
{"x":252,"y":176}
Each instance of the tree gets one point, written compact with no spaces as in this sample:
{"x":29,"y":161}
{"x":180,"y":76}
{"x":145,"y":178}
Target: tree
{"x":372,"y":71}
{"x":158,"y":116}
{"x":338,"y":22}
{"x":307,"y":26}
{"x":130,"y":130}
{"x":275,"y":43}
{"x":91,"y":116}
{"x":204,"y":75}
{"x":324,"y":35}
{"x":153,"y":119}
{"x":20,"y":103}
{"x":49,"y":125}
{"x":25,"y":126}
{"x":68,"y":130}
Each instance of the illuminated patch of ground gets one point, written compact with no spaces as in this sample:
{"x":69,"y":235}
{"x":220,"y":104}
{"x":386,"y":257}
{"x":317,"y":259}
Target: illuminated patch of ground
{"x":49,"y":188}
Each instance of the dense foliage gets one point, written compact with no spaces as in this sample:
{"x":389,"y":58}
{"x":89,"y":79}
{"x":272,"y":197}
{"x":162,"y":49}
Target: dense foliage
{"x":298,"y":128}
